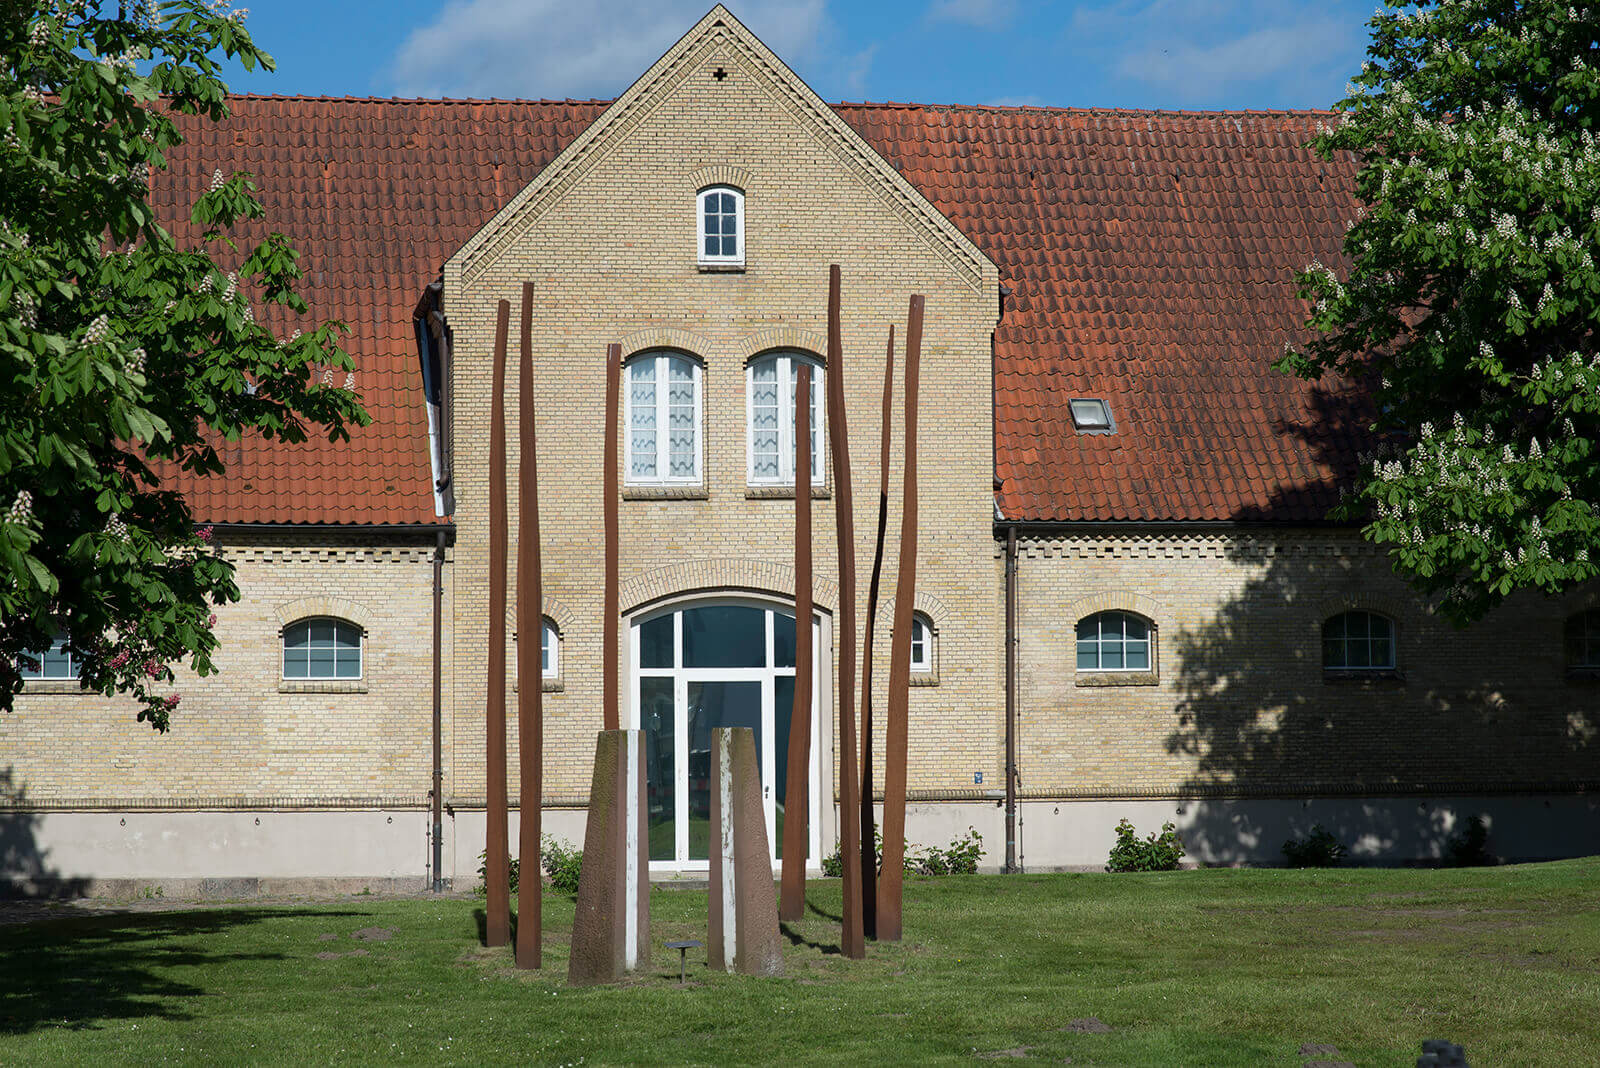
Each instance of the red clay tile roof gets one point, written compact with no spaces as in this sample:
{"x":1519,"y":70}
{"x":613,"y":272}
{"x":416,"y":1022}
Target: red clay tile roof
{"x":1150,"y":256}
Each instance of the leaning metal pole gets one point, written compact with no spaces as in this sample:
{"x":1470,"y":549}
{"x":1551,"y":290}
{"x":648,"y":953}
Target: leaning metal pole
{"x":869,"y":848}
{"x":792,"y":902}
{"x":609,"y":645}
{"x":895,"y":751}
{"x":852,"y":941}
{"x":530,"y":669}
{"x":497,"y":862}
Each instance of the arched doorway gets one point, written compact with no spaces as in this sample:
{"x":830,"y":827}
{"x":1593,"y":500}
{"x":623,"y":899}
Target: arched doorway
{"x":706,"y":663}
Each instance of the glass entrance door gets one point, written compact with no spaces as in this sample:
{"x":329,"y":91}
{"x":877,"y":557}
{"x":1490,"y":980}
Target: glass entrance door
{"x":724,"y":664}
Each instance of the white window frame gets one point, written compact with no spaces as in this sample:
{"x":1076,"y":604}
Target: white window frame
{"x":549,"y":651}
{"x":719,"y":260}
{"x":74,"y":669}
{"x":663,"y":359}
{"x":921,"y":665}
{"x":361,"y":652}
{"x":1148,"y":641}
{"x":785,"y":361}
{"x":1394,"y":642}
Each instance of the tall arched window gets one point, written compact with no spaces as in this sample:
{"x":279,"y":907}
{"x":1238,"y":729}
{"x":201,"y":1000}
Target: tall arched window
{"x":322,"y":648}
{"x":721,"y":212}
{"x":1114,"y":641}
{"x":1358,"y":641}
{"x":549,"y":651}
{"x":772,"y":380}
{"x":663,"y":418}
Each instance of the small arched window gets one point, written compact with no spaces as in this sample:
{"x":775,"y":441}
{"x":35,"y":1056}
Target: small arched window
{"x":663,"y":418}
{"x":322,"y":648}
{"x":1582,"y":635}
{"x":921,"y":645}
{"x":1114,"y":641}
{"x":721,"y":211}
{"x":772,"y":381}
{"x":1358,"y":641}
{"x":57,"y":662}
{"x":550,"y":651}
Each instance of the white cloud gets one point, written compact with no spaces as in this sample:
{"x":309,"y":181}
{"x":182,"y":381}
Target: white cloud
{"x":986,"y":14}
{"x":594,"y":48}
{"x":1199,"y":49}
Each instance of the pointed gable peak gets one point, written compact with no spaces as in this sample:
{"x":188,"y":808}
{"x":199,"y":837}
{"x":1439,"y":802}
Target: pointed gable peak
{"x":721,"y":33}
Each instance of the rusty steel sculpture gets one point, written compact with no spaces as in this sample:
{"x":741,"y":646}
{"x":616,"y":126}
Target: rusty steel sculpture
{"x":530,"y":669}
{"x":852,"y":942}
{"x":742,"y":914}
{"x":869,"y":848}
{"x":898,"y":727}
{"x":611,"y":927}
{"x":796,"y":830}
{"x":497,"y":860}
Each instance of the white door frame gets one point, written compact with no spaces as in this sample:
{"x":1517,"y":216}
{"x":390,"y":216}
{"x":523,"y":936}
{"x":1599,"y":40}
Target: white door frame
{"x":821,"y":769}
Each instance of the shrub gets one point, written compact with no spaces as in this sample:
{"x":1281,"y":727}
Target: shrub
{"x":1157,"y":852}
{"x":1469,"y":848}
{"x":1319,"y":849}
{"x":482,"y":889}
{"x":562,"y":862}
{"x":959,"y":858}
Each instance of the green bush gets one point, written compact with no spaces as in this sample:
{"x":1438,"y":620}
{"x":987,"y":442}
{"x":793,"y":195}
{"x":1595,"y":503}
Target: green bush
{"x":1157,"y":852}
{"x":562,"y":862}
{"x":1469,"y":849}
{"x":1319,"y":849}
{"x":959,"y":858}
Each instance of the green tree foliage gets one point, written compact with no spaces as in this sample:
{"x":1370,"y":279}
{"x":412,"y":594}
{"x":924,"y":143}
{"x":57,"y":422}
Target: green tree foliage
{"x":1470,"y":298}
{"x":120,"y":348}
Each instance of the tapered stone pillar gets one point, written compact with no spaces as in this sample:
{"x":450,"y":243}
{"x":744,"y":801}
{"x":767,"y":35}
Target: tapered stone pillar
{"x":611,"y":931}
{"x":743,"y":924}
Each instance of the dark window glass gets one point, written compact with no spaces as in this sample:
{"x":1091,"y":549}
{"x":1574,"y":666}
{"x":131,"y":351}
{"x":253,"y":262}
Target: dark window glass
{"x":1113,"y":641}
{"x":1358,"y":641}
{"x":322,"y":649}
{"x":1583,"y":639}
{"x":56,"y":662}
{"x":655,"y":643}
{"x":724,"y":636}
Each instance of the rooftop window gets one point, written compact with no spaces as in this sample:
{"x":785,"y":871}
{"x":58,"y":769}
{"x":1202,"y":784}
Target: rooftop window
{"x":1091,"y":416}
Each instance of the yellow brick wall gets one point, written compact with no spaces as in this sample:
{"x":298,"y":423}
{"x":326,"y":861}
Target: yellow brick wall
{"x":611,"y":251}
{"x":1242,"y":705}
{"x":236,"y":737}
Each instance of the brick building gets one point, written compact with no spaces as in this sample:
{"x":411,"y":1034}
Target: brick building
{"x":1105,"y":292}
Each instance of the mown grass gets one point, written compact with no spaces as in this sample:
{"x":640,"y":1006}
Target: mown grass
{"x":1202,"y":967}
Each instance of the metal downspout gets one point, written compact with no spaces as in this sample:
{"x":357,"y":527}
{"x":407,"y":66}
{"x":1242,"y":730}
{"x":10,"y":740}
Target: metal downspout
{"x":438,"y":715}
{"x":1011,"y":699}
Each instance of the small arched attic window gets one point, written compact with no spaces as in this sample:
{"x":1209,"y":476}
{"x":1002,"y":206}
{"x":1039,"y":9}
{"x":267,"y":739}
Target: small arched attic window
{"x":322,"y":648}
{"x":721,"y":212}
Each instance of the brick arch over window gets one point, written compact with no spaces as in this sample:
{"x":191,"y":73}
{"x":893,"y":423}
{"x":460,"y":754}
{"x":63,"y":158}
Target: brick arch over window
{"x":1116,"y":601}
{"x":722,"y":174}
{"x":809,"y":342}
{"x":692,"y":345}
{"x":555,"y":611}
{"x":335,"y":607}
{"x":923,"y":604}
{"x":720,"y":575}
{"x":1393,"y":610}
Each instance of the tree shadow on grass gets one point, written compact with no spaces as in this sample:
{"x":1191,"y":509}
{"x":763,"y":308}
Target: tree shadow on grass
{"x":82,"y":968}
{"x":798,"y":939}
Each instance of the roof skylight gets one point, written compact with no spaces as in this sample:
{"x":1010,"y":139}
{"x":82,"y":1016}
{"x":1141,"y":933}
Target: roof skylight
{"x":1091,"y":416}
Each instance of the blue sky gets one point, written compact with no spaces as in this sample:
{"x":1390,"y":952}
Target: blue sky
{"x":1112,"y":53}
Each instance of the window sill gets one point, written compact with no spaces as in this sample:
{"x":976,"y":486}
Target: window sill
{"x":721,"y":268}
{"x":925,"y":678}
{"x":54,"y":686}
{"x":1117,"y":678}
{"x":665,"y":493}
{"x":549,"y":686}
{"x":322,"y":686}
{"x":1346,"y":676}
{"x":783,"y":493}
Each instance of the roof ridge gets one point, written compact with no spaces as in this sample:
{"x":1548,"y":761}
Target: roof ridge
{"x":883,"y":105}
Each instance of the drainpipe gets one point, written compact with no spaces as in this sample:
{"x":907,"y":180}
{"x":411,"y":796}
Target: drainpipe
{"x":438,"y":715}
{"x":1011,"y":699}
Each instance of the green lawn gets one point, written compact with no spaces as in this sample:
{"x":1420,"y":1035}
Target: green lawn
{"x":1202,"y":967}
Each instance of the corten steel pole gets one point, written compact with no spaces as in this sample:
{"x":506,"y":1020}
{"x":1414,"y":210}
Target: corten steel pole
{"x":497,"y":861}
{"x":530,"y":668}
{"x":792,"y":902}
{"x":609,"y":647}
{"x":852,"y":941}
{"x":869,"y":846}
{"x":895,"y":751}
